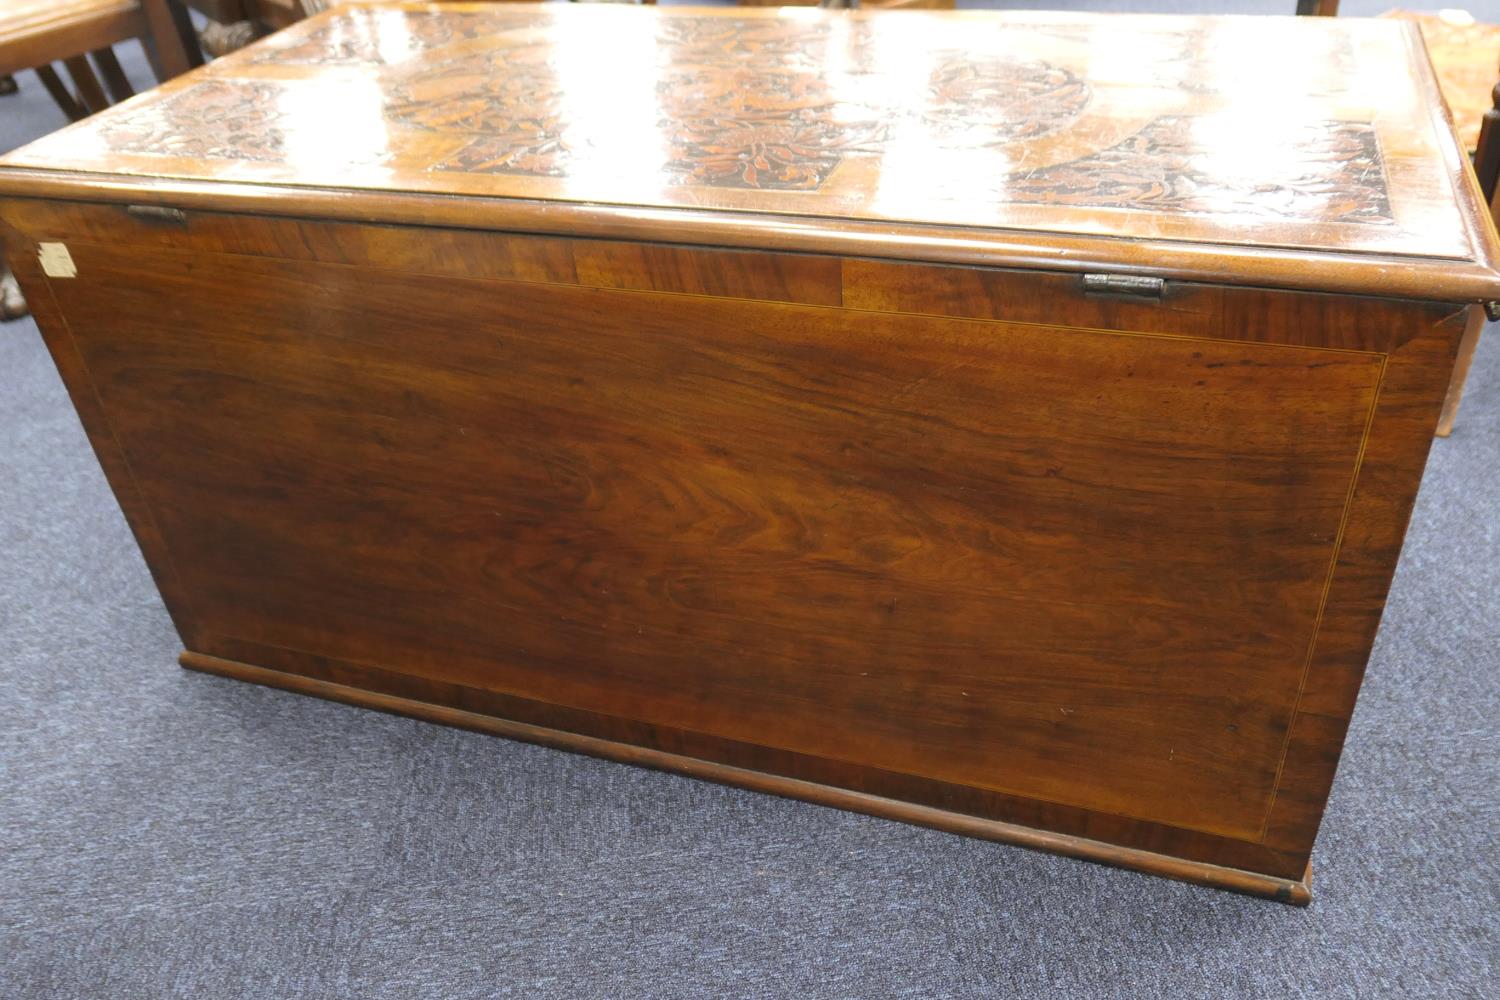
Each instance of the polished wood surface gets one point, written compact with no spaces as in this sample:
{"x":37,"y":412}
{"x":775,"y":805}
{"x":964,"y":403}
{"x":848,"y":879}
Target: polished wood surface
{"x":655,"y":549}
{"x":367,"y":695}
{"x":1041,"y":124}
{"x":1466,"y":58}
{"x":1461,"y":366}
{"x":27,"y":17}
{"x":35,"y":33}
{"x":38,"y":32}
{"x":971,"y":541}
{"x":757,"y":468}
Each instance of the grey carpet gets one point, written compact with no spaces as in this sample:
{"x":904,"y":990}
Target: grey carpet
{"x":168,"y":834}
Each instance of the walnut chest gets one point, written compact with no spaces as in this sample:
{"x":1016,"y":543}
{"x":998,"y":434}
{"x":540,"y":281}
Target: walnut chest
{"x":1006,"y":423}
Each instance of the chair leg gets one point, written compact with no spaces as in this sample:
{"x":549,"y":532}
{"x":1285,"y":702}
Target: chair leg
{"x":114,"y":76}
{"x":171,"y":45}
{"x":1487,"y":148}
{"x":61,"y":94}
{"x":89,"y":91}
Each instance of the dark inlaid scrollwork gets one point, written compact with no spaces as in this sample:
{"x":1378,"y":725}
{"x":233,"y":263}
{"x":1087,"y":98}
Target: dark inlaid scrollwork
{"x":1329,"y":170}
{"x":215,"y":120}
{"x":754,"y":128}
{"x":372,"y":37}
{"x":986,"y":100}
{"x":784,"y":44}
{"x":778,"y":104}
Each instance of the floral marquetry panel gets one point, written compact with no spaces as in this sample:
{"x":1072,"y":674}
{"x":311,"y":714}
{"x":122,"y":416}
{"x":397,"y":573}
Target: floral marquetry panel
{"x":1152,"y":127}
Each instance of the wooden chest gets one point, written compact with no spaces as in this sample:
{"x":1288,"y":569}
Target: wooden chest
{"x":1006,"y":423}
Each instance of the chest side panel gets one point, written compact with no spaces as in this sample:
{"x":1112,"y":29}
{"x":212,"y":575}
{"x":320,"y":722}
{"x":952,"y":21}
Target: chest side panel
{"x":1069,"y":564}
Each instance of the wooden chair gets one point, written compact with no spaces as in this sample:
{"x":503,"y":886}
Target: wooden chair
{"x":36,"y":34}
{"x":80,"y":35}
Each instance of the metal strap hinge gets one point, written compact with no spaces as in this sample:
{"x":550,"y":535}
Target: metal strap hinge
{"x":1124,"y":284}
{"x":157,"y":213}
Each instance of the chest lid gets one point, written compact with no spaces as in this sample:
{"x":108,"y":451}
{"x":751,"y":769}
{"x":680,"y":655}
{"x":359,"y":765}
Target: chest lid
{"x":1301,"y":152}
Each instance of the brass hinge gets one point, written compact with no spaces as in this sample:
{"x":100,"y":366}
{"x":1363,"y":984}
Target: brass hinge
{"x":1124,"y":284}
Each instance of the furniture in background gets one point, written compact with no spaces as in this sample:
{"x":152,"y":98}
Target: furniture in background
{"x":1487,"y":149}
{"x":79,"y":35}
{"x":1487,"y":168}
{"x":1466,"y":58}
{"x":233,"y":24}
{"x":681,"y":418}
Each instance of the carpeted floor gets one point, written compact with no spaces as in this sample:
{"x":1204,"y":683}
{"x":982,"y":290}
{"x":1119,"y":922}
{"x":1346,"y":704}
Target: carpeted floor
{"x":168,"y":834}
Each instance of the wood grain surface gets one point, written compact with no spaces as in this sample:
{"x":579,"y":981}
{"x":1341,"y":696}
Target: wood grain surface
{"x":1017,"y":122}
{"x":968,"y":539}
{"x":35,"y":33}
{"x":23,"y":17}
{"x":1466,"y":58}
{"x":722,"y":391}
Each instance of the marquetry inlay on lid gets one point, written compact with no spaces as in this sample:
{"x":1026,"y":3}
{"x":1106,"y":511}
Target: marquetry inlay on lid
{"x":1309,"y":134}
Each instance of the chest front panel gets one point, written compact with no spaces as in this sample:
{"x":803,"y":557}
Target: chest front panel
{"x":1082,"y":562}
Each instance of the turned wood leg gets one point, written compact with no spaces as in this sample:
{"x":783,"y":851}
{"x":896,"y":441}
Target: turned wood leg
{"x":221,"y":39}
{"x":1461,"y":371}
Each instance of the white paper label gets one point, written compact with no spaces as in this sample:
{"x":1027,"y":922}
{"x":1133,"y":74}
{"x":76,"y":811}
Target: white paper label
{"x":55,"y":260}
